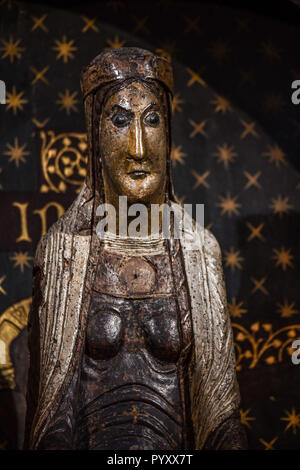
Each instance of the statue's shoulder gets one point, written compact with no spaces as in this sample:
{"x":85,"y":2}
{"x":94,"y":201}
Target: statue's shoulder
{"x":211,"y":244}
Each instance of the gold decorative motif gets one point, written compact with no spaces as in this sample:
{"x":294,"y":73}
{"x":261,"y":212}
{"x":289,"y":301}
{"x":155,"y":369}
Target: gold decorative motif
{"x":233,"y":259}
{"x":176,"y":102}
{"x":115,"y":43}
{"x":89,"y":23}
{"x":280,"y":206}
{"x":11,"y":49}
{"x":12,"y":322}
{"x":259,"y":285}
{"x":235,"y":309}
{"x":21,"y":259}
{"x":67,"y":101}
{"x":2,"y":279}
{"x":286,"y":309}
{"x":65,"y":49}
{"x":201,"y":179}
{"x":225,"y":154}
{"x":252,"y":179}
{"x":221,"y":104}
{"x":39,"y":23}
{"x":268,"y":445}
{"x":192,"y":24}
{"x":16,"y":152}
{"x":276,"y":155}
{"x":270,"y":50}
{"x":140,"y":24}
{"x":198,"y":128}
{"x":64,"y":160}
{"x":195,"y":78}
{"x":244,"y":418}
{"x":177,"y":155}
{"x":261,"y":343}
{"x":220,"y":50}
{"x":283,"y":258}
{"x":255,"y":231}
{"x":249,"y":129}
{"x":15,"y":100}
{"x":39,"y":75}
{"x":293,"y":420}
{"x":274,"y":102}
{"x":229,"y":205}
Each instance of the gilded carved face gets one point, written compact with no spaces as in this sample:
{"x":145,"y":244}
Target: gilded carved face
{"x":133,"y":140}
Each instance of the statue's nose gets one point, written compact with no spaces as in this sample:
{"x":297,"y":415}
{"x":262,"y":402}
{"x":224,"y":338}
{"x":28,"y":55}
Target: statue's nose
{"x":136,"y":142}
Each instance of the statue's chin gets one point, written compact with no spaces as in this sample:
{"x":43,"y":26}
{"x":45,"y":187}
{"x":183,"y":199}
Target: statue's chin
{"x":143,"y":190}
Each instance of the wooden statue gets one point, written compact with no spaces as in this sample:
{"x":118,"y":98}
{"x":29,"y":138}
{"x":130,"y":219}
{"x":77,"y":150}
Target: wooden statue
{"x":130,"y":338}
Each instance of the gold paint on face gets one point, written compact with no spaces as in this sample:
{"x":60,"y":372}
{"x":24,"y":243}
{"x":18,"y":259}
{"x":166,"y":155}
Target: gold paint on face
{"x":133,"y":140}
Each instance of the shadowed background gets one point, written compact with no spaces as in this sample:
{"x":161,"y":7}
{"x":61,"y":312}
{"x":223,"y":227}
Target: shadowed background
{"x":236,"y":138}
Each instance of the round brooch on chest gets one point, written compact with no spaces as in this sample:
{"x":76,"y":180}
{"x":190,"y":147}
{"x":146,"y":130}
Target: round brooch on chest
{"x":138,"y":276}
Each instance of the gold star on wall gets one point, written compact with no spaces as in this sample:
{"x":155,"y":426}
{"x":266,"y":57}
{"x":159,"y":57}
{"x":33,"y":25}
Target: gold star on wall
{"x":249,"y":129}
{"x":195,"y":78}
{"x":244,"y":418}
{"x":15,"y":101}
{"x":293,"y":420}
{"x":67,"y":101}
{"x":280,"y":206}
{"x":21,"y":260}
{"x":89,"y":24}
{"x":233,"y":259}
{"x":198,"y":128}
{"x":275,"y":155}
{"x":283,"y":258}
{"x":140,"y":24}
{"x":220,"y":50}
{"x":247,"y":77}
{"x":225,"y":154}
{"x":252,"y":180}
{"x":65,"y":49}
{"x":259,"y":285}
{"x":115,"y":43}
{"x":229,"y":205}
{"x":200,"y":179}
{"x":16,"y":152}
{"x":243,"y":24}
{"x":39,"y":23}
{"x":286,"y":309}
{"x":11,"y":49}
{"x":235,"y":309}
{"x":176,"y":102}
{"x":177,"y":155}
{"x":255,"y":231}
{"x":274,"y":102}
{"x":269,"y":445}
{"x":2,"y":279}
{"x":221,"y":104}
{"x":39,"y":75}
{"x":270,"y":50}
{"x":192,"y":24}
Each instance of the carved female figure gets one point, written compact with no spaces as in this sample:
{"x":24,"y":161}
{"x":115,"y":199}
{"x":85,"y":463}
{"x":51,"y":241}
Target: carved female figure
{"x":130,"y":339}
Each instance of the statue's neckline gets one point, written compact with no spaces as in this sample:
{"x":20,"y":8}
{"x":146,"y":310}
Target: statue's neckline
{"x":135,"y":245}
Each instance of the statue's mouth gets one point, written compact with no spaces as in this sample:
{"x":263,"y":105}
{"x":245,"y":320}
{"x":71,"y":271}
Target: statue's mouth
{"x":138,"y":174}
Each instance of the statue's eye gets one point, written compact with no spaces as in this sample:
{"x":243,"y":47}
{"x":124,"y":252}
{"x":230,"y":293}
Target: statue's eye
{"x":120,"y":119}
{"x":152,"y":119}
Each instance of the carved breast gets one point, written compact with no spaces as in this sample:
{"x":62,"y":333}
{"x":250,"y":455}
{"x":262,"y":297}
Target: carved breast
{"x":129,"y":325}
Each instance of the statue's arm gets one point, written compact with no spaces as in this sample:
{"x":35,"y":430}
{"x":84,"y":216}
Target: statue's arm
{"x":229,"y":434}
{"x":60,"y":430}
